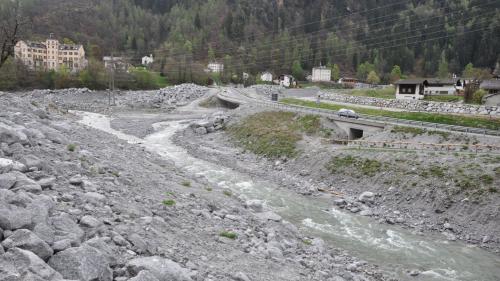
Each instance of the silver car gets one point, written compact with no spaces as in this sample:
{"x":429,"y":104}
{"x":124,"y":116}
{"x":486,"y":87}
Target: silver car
{"x":347,"y":113}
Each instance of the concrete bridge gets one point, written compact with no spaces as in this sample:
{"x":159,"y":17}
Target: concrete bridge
{"x":354,"y":128}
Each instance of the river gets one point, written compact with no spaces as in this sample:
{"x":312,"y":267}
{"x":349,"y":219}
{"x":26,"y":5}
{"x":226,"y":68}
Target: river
{"x":393,"y":248}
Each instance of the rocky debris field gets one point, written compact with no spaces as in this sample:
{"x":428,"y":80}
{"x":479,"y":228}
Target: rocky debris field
{"x":97,"y":101}
{"x":79,"y":204}
{"x":452,"y":193}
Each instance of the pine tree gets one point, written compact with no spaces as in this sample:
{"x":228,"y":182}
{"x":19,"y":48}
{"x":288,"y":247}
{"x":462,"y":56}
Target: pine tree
{"x":297,"y":70}
{"x":443,"y":67}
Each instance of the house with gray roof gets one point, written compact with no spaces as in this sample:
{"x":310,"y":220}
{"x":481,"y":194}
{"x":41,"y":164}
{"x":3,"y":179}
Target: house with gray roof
{"x":492,"y":87}
{"x":418,"y":88}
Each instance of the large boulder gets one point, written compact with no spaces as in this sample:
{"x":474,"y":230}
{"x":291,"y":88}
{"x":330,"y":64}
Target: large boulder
{"x":7,"y":180}
{"x":162,"y":269}
{"x":7,"y":165}
{"x":10,"y":135}
{"x":59,"y":228}
{"x":26,"y":184}
{"x":83,"y":263}
{"x":144,"y":276}
{"x":366,"y":197}
{"x":27,"y":240}
{"x":13,"y":212}
{"x":32,"y":161}
{"x":18,"y":264}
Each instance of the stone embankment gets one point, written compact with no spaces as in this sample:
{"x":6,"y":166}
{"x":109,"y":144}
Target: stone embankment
{"x":414,"y":105}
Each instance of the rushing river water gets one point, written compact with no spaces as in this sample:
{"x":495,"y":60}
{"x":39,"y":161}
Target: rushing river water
{"x":394,"y":249}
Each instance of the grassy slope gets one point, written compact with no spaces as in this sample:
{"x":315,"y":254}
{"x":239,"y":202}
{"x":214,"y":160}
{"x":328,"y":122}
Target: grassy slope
{"x":273,"y":134}
{"x":387,"y":93}
{"x":476,"y":122}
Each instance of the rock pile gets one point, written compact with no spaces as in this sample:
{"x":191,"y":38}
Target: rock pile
{"x":181,"y":94}
{"x":215,"y":122}
{"x":267,"y":90}
{"x":98,"y":101}
{"x":55,"y":223}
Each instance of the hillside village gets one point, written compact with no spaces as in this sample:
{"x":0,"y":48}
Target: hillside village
{"x":51,"y":55}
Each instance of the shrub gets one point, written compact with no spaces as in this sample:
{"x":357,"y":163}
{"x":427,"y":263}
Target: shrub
{"x":228,"y":234}
{"x":71,"y":147}
{"x":227,"y":193}
{"x":477,"y":97}
{"x":307,"y":242}
{"x":186,"y":183}
{"x":486,"y":179}
{"x":169,"y":202}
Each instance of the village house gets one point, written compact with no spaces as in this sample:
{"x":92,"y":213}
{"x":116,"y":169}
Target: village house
{"x":287,"y":81}
{"x":418,"y":88}
{"x":492,"y":87}
{"x":50,"y":55}
{"x":147,"y":60}
{"x":215,"y":67}
{"x":117,"y":63}
{"x":321,"y":74}
{"x":266,"y":77}
{"x":348,"y":82}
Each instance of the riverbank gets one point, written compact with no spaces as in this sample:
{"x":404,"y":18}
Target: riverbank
{"x":453,"y":194}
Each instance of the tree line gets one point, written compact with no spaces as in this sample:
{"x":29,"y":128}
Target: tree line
{"x":364,"y":39}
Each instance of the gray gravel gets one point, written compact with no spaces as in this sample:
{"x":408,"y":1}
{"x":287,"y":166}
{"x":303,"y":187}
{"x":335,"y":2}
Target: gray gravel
{"x":79,"y":204}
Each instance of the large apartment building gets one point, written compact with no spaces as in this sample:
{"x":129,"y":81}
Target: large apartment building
{"x":50,"y":55}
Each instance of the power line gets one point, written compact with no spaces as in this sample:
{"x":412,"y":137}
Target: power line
{"x":399,"y":45}
{"x":362,"y":43}
{"x":308,"y":35}
{"x":314,"y":22}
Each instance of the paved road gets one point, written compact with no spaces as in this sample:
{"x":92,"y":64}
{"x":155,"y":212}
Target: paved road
{"x":243,"y":96}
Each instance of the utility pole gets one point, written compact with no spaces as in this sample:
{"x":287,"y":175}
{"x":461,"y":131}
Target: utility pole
{"x":111,"y":81}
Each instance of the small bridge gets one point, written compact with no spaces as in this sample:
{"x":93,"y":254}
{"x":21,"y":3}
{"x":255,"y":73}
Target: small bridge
{"x":354,"y":128}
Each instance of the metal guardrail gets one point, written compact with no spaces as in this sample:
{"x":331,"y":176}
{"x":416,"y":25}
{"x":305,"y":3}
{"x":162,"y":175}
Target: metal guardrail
{"x":363,"y":117}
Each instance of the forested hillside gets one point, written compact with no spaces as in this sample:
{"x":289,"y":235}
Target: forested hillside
{"x":423,"y":37}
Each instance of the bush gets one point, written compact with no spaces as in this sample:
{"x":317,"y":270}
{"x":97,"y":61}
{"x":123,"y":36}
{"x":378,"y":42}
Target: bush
{"x":168,"y":202}
{"x":186,"y":183}
{"x":228,"y":234}
{"x":71,"y":147}
{"x":477,"y":97}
